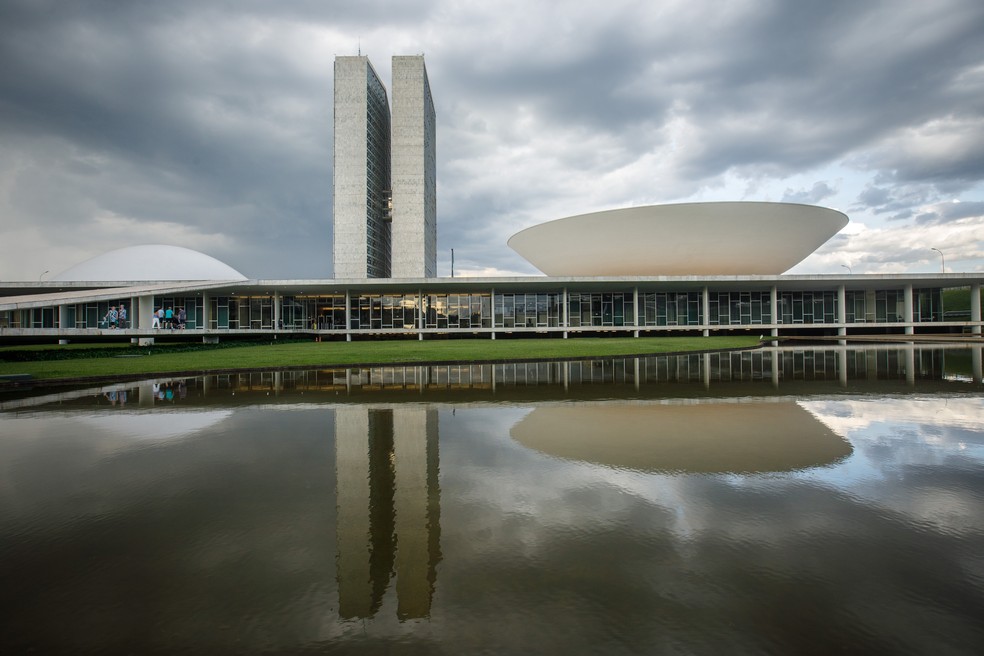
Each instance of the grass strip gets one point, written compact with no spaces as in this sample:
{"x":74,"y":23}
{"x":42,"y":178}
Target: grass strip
{"x":325,"y":354}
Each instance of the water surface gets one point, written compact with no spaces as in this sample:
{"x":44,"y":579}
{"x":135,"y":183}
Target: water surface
{"x":786,"y":501}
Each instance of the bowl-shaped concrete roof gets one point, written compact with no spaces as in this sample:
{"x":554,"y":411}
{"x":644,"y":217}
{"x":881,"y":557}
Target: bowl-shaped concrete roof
{"x":152,"y":262}
{"x":726,"y":238}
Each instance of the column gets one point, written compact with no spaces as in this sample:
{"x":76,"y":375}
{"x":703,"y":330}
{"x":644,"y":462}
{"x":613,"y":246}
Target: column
{"x":62,"y":320}
{"x":635,"y":314}
{"x":774,"y":309}
{"x":565,"y":314}
{"x":975,"y":308}
{"x":142,"y":316}
{"x":276,"y":310}
{"x":420,"y":315}
{"x":842,"y":312}
{"x":492,"y":303}
{"x":705,"y":299}
{"x":348,"y":316}
{"x":907,"y":309}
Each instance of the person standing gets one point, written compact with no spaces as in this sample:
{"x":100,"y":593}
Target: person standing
{"x":156,"y":323}
{"x":182,"y":318}
{"x":122,"y":316}
{"x":169,"y":318}
{"x":112,"y":317}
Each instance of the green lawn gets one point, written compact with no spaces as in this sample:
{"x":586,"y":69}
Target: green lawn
{"x":323,"y":354}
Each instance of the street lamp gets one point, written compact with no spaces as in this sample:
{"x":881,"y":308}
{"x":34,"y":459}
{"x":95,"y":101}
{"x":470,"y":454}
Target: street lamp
{"x":942,"y":259}
{"x":848,"y":269}
{"x":42,"y":275}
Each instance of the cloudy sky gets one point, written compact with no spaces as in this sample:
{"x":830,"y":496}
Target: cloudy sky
{"x":208,"y":123}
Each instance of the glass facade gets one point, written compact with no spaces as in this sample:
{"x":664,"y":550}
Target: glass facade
{"x":528,"y":310}
{"x":808,"y":307}
{"x":671,"y":309}
{"x":508,"y":311}
{"x":739,"y":308}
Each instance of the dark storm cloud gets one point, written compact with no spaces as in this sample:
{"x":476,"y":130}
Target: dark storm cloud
{"x":186,"y":124}
{"x":208,"y":124}
{"x":799,"y":84}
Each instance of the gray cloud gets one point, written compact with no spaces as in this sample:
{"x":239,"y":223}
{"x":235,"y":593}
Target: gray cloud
{"x":208,"y":124}
{"x":814,"y":195}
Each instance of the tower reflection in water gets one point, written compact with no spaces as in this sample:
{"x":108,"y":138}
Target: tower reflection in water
{"x":388,"y":508}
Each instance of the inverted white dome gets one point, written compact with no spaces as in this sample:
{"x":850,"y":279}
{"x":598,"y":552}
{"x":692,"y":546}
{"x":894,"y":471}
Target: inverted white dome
{"x":722,"y":238}
{"x":152,"y":262}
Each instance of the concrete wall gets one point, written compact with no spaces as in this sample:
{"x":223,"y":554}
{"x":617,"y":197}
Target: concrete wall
{"x":414,"y":175}
{"x":361,"y":171}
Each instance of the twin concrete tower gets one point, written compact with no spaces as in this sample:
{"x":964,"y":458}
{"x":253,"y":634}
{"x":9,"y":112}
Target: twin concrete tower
{"x":385,"y":180}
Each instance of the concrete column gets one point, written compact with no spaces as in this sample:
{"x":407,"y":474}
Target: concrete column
{"x":975,"y":308}
{"x":774,"y":310}
{"x":206,"y":317}
{"x":348,"y":316}
{"x":842,"y":311}
{"x":492,"y":304}
{"x":62,"y":316}
{"x":276,"y":310}
{"x":420,"y":315}
{"x":706,"y":310}
{"x":975,"y":359}
{"x":635,"y":312}
{"x":907,"y":309}
{"x":143,"y":317}
{"x":565,"y":314}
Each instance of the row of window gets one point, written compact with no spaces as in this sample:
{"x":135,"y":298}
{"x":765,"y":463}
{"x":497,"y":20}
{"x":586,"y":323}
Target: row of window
{"x":512,"y":310}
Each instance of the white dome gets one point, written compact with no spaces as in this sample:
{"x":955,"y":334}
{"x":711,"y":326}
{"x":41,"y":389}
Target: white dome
{"x":720,"y":238}
{"x":152,"y":262}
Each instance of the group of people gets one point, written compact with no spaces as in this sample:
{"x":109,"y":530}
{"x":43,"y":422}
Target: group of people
{"x":170,"y":318}
{"x":116,"y":318}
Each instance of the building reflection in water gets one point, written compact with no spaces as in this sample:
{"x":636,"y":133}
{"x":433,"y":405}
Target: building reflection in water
{"x":388,"y":508}
{"x":706,"y":436}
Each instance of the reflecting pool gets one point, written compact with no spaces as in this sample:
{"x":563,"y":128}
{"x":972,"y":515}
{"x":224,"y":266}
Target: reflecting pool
{"x":771,"y":501}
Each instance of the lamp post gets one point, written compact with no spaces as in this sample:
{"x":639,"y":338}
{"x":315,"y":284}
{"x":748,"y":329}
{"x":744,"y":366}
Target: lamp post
{"x":42,"y":276}
{"x":942,"y":259}
{"x":849,"y":272}
{"x":452,"y":263}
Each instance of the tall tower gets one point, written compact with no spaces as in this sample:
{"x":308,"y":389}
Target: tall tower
{"x":361,"y":184}
{"x":414,"y":171}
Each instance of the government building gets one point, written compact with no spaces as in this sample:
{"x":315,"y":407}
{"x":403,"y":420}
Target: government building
{"x":689,"y":268}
